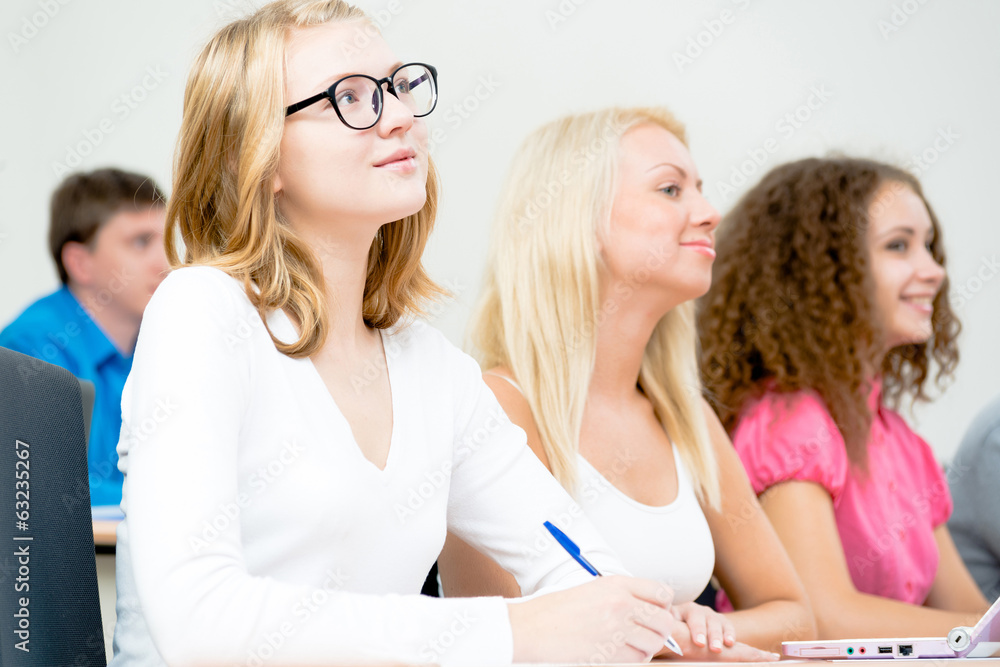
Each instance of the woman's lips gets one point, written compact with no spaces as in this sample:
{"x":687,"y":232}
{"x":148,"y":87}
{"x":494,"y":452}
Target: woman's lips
{"x":702,"y":248}
{"x":405,"y":164}
{"x":404,"y":158}
{"x":922,"y":304}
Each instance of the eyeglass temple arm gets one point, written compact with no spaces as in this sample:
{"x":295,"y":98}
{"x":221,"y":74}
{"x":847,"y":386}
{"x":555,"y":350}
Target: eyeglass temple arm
{"x":298,"y":106}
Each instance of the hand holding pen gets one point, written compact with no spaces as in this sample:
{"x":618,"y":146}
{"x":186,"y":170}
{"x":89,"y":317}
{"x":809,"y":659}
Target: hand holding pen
{"x":573,"y":550}
{"x":611,"y":619}
{"x":688,"y":613}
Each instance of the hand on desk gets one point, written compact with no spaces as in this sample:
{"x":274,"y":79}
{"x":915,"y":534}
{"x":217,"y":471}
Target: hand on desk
{"x":706,"y":635}
{"x":610,"y":619}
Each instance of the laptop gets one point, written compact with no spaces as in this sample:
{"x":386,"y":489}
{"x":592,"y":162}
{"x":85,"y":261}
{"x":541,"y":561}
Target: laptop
{"x":980,"y":641}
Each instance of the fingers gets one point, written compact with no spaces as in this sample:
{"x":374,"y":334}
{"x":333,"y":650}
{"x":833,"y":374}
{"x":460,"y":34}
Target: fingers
{"x":645,"y":642}
{"x":728,"y":632}
{"x":708,"y":628}
{"x":744,"y":653}
{"x":600,"y":621}
{"x":721,"y":632}
{"x":653,"y":618}
{"x":697,"y":623}
{"x":637,"y":627}
{"x":736,"y":653}
{"x":716,"y":633}
{"x":618,"y":619}
{"x":646,"y":589}
{"x":650,"y":617}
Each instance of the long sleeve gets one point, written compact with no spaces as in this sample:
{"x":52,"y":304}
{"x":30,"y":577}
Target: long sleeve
{"x":501,"y":495}
{"x":188,"y":416}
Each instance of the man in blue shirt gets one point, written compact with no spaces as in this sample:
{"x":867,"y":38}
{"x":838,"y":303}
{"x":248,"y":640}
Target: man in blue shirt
{"x":106,"y":238}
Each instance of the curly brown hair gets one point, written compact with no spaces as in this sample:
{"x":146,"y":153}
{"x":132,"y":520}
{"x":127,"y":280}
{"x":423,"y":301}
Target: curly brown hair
{"x":791,"y":305}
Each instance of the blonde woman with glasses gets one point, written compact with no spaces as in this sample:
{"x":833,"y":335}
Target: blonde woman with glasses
{"x":284,"y":410}
{"x":602,"y":241}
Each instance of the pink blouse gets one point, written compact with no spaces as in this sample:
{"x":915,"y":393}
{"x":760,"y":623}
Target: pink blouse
{"x":887,"y":520}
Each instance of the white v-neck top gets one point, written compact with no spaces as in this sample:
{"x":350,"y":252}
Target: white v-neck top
{"x":255,"y":528}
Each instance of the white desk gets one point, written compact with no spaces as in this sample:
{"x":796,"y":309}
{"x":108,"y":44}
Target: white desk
{"x":104,"y":536}
{"x":108,"y":593}
{"x":105,"y":539}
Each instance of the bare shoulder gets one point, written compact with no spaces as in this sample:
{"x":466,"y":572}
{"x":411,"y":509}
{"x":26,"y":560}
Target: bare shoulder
{"x":737,"y":492}
{"x":508,"y":393}
{"x":709,"y":412}
{"x":502,"y":382}
{"x":721,"y":442}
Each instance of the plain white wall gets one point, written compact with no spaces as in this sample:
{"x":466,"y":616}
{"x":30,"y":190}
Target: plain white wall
{"x":886,"y":79}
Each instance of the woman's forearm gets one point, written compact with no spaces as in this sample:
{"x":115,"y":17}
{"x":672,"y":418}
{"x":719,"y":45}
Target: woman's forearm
{"x":859,"y":615}
{"x":767,"y":625}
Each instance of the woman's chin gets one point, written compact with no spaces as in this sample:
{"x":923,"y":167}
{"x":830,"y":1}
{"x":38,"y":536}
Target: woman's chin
{"x":911,"y":338}
{"x":405,"y":207}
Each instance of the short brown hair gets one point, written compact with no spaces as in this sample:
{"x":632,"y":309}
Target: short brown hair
{"x":84,"y":201}
{"x":790,"y":306}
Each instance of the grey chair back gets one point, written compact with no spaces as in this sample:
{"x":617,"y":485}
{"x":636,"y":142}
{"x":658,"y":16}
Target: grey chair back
{"x":50,"y":611}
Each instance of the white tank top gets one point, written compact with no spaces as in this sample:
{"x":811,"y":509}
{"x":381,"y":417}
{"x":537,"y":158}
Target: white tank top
{"x":671,"y":543}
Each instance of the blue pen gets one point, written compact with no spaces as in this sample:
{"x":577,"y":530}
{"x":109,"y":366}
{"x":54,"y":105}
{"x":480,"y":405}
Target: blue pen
{"x":574,"y":551}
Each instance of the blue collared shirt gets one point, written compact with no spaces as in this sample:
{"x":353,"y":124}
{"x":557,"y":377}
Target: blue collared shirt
{"x":58,"y":330}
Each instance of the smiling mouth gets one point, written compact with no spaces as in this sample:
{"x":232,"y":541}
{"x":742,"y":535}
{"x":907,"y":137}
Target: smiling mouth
{"x":924,"y":304}
{"x":706,"y":250}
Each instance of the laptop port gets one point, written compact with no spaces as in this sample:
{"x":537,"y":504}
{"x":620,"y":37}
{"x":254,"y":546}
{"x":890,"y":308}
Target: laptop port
{"x":861,"y":650}
{"x":905,"y":649}
{"x":885,"y":649}
{"x":850,"y":650}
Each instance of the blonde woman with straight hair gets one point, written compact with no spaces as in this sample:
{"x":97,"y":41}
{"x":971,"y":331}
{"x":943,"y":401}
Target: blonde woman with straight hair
{"x":586,"y":325}
{"x":295,"y":446}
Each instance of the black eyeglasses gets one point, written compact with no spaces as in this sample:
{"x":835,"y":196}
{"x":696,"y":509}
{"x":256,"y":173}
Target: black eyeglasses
{"x":358,"y":99}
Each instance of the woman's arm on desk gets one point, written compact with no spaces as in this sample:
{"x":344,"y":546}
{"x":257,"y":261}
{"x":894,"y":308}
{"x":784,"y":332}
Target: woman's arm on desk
{"x":802,"y":514}
{"x":954,"y":588}
{"x":750,"y":562}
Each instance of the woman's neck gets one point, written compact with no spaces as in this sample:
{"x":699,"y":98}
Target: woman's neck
{"x":344,"y":262}
{"x":621,"y":340}
{"x":872,"y":370}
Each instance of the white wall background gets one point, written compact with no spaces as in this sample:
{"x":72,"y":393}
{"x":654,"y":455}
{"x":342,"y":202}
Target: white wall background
{"x":104,"y":81}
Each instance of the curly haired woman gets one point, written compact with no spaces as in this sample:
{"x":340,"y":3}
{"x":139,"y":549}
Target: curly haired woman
{"x":829,"y":298}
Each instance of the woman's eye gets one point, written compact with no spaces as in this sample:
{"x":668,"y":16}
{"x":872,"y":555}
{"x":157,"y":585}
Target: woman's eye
{"x":897,"y":246}
{"x":671,"y":190}
{"x":346,"y":98}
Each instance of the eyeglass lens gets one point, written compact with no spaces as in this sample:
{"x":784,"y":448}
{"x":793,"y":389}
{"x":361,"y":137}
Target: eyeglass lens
{"x":358,"y":100}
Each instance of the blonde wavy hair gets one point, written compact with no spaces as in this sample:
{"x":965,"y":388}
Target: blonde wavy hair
{"x":223,"y":206}
{"x":540,"y":304}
